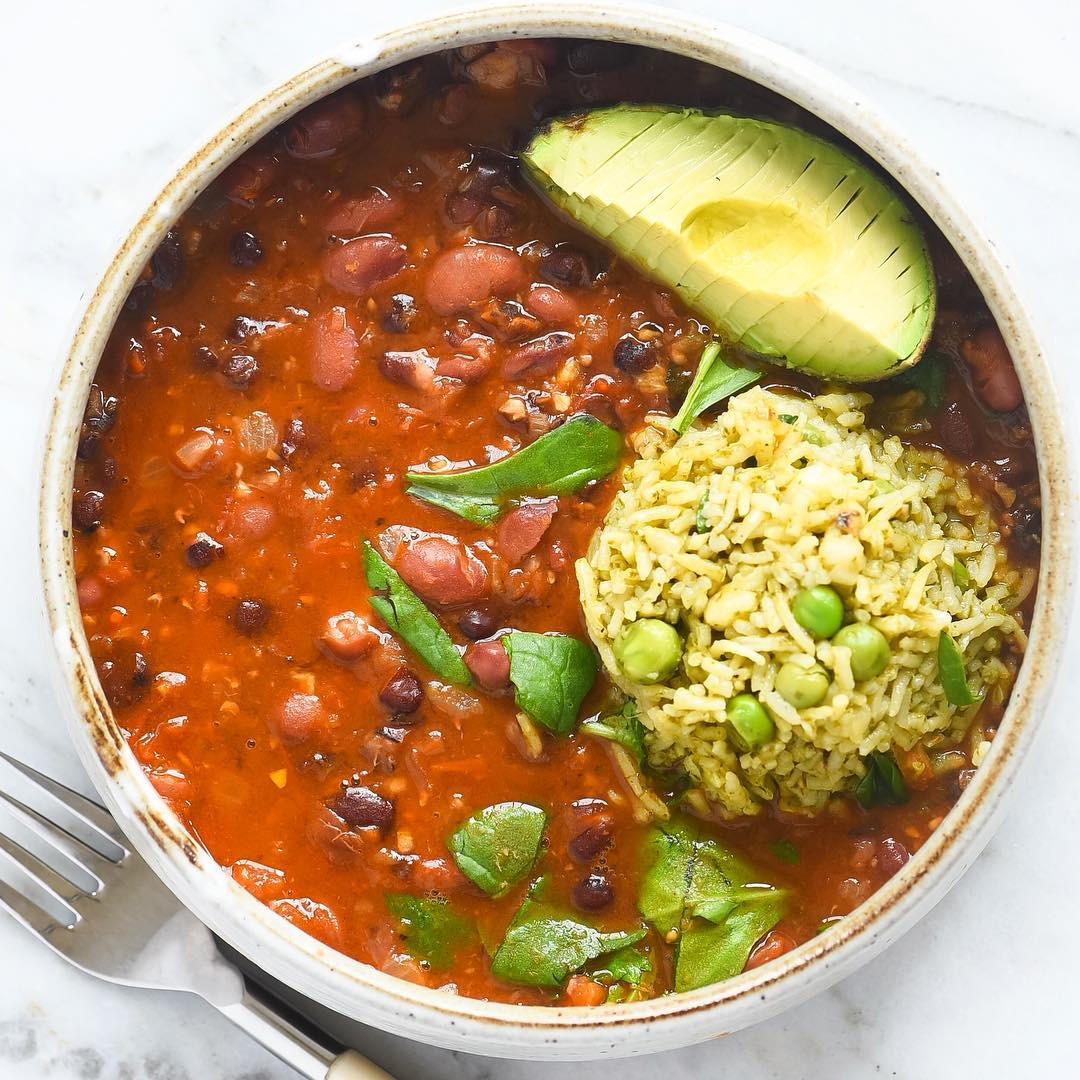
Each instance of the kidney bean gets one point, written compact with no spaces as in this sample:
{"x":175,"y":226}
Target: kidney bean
{"x":634,"y":356}
{"x":461,"y":209}
{"x":334,"y":348}
{"x":490,"y":664}
{"x":359,"y":265}
{"x":552,"y":305}
{"x":591,"y":841}
{"x":592,"y":893}
{"x":373,"y":210}
{"x":249,"y":516}
{"x":477,"y":623}
{"x":348,"y":637}
{"x":892,"y":855}
{"x":441,"y":571}
{"x":167,"y":263}
{"x":523,"y":528}
{"x":202,"y":551}
{"x":245,"y":250}
{"x":325,"y":127}
{"x":469,"y":275}
{"x":415,"y":369}
{"x":249,"y":615}
{"x":403,"y":693}
{"x":566,"y":265}
{"x":542,"y":353}
{"x":593,"y":57}
{"x":248,"y":178}
{"x":363,"y":808}
{"x":453,"y":105}
{"x":204,"y":357}
{"x":240,"y":370}
{"x":955,"y":431}
{"x":466,"y":369}
{"x":91,"y":592}
{"x":86,"y":510}
{"x":310,"y":916}
{"x":992,"y":369}
{"x":398,"y":90}
{"x":298,"y":717}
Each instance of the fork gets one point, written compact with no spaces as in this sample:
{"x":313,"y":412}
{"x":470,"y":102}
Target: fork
{"x":68,"y":874}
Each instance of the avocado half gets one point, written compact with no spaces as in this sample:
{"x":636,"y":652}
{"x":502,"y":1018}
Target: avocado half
{"x":782,"y":242}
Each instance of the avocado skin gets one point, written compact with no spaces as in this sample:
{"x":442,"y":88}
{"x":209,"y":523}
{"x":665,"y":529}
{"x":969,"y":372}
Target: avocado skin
{"x":734,"y":214}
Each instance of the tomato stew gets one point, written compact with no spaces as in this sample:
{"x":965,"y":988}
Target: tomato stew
{"x":372,"y":288}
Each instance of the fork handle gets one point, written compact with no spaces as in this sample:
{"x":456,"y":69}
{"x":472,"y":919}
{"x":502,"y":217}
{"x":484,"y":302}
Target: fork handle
{"x":265,"y":1021}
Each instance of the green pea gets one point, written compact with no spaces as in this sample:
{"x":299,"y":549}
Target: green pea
{"x":648,"y":651}
{"x":870,"y":652}
{"x":751,"y":726}
{"x":819,"y":610}
{"x":803,"y":687}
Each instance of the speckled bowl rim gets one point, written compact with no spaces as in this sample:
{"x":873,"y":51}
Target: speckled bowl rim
{"x":363,"y":993}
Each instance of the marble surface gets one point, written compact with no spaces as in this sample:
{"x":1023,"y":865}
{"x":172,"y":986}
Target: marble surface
{"x":103,"y":98}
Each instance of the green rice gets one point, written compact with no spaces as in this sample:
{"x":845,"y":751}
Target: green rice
{"x":718,"y":531}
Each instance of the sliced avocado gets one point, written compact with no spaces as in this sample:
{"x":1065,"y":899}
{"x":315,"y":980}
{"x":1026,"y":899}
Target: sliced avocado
{"x":784,"y":243}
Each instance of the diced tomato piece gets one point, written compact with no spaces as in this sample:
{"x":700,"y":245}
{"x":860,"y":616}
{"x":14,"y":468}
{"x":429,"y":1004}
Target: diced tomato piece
{"x":583,"y":991}
{"x":775,"y":943}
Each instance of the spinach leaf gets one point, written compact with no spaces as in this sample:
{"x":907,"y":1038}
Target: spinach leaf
{"x":927,"y":376}
{"x":714,"y":381}
{"x":628,"y":965}
{"x":542,"y":947}
{"x":693,"y":880}
{"x":623,"y":728}
{"x":497,"y":847}
{"x":960,"y":574}
{"x":551,"y":674}
{"x":786,"y":850}
{"x":433,"y":930}
{"x":882,"y":783}
{"x":561,"y":461}
{"x":409,"y":617}
{"x":952,"y":673}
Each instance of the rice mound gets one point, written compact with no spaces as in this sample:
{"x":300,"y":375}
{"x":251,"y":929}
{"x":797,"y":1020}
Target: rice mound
{"x":718,"y":531}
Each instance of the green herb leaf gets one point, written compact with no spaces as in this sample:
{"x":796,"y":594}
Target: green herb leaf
{"x":953,"y":674}
{"x":551,"y":674}
{"x":692,"y":879}
{"x":628,"y":965}
{"x":714,"y":381}
{"x":786,"y":850}
{"x":960,"y":575}
{"x":497,"y":847}
{"x":433,"y":930}
{"x":927,"y":376}
{"x":561,"y":461}
{"x":882,"y":783}
{"x":542,"y":947}
{"x":701,"y":520}
{"x":623,"y":728}
{"x":409,"y":617}
{"x":788,"y":418}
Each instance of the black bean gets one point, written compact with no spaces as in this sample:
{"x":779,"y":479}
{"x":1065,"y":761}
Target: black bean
{"x":125,"y":675}
{"x":86,"y":510}
{"x":400,"y":315}
{"x":363,"y":808}
{"x":587,"y":844}
{"x":392,"y":733}
{"x":592,"y":893}
{"x":592,"y":57}
{"x":98,"y":417}
{"x":167,"y":263}
{"x":250,"y":615}
{"x":240,"y":369}
{"x":955,"y":430}
{"x":139,"y":298}
{"x":294,"y":439}
{"x":1026,"y":521}
{"x":241,"y":328}
{"x":566,"y":265}
{"x":634,"y":356}
{"x":486,"y":172}
{"x":478,"y":623}
{"x":205,"y":357}
{"x":245,"y":249}
{"x":202,"y":551}
{"x":403,"y":693}
{"x":461,"y":209}
{"x":399,"y":89}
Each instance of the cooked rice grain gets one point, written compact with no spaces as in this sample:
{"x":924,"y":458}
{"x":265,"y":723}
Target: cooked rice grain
{"x":783,"y":506}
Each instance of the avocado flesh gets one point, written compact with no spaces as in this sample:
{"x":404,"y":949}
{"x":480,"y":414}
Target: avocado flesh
{"x":781,"y":241}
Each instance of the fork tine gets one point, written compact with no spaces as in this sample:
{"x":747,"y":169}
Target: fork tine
{"x":96,"y":822}
{"x":46,"y":888}
{"x":53,"y":845}
{"x":34,"y":918}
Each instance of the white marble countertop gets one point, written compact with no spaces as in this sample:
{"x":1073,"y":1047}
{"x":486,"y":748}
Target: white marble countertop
{"x":101,"y":99}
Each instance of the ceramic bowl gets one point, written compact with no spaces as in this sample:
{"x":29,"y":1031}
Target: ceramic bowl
{"x":356,"y":990}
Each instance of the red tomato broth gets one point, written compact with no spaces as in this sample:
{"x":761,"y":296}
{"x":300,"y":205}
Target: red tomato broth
{"x":200,"y":686}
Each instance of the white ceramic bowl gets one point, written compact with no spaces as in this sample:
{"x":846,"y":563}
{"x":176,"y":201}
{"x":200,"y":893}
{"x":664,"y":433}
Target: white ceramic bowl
{"x":361,"y":992}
